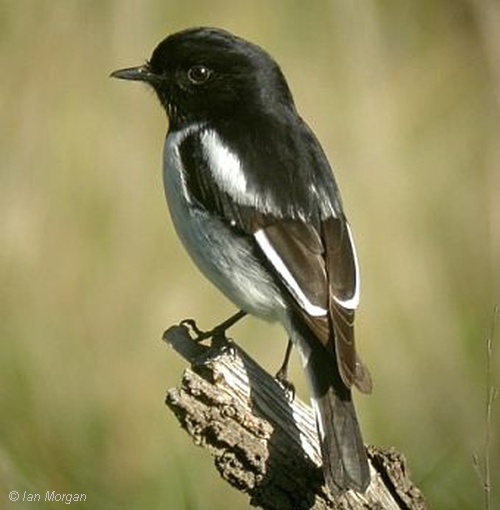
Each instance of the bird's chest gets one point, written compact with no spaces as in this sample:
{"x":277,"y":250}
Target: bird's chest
{"x":193,"y":226}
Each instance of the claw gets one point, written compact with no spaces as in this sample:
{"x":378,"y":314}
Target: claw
{"x":200,"y":335}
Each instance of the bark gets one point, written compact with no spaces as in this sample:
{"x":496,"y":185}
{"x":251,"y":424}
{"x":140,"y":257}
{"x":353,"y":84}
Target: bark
{"x":264,"y":442}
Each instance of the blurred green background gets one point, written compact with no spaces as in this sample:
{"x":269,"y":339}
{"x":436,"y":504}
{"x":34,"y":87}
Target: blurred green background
{"x":405,"y":97}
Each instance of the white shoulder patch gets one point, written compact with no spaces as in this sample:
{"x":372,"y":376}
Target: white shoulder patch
{"x":289,"y":280}
{"x":225,"y":166}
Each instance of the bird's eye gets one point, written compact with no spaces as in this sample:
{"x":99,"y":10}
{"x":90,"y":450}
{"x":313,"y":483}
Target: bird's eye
{"x":199,"y":74}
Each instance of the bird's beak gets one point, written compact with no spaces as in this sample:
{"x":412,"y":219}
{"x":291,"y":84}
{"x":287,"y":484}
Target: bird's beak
{"x":140,"y":73}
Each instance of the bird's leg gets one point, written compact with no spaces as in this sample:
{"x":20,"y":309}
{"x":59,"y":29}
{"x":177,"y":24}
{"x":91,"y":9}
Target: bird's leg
{"x":217,"y":333}
{"x":282,"y":373}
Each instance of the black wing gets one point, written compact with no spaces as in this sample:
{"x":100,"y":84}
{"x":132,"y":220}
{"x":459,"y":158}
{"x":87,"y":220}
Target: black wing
{"x":254,"y":181}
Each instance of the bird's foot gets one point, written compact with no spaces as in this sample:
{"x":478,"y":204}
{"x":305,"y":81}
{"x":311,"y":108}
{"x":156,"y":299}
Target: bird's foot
{"x":282,"y":378}
{"x":282,"y":374}
{"x":217,"y":334}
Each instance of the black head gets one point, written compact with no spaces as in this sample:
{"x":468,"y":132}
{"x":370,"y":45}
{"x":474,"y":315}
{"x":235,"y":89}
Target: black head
{"x":203,"y":74}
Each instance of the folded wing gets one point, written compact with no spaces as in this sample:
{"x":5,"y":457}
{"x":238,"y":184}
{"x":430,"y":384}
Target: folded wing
{"x":320,"y":271}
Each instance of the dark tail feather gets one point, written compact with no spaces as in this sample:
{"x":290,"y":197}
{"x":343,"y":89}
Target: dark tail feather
{"x":345,"y":463}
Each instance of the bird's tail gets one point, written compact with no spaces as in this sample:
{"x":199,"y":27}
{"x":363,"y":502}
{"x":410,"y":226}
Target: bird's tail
{"x":345,"y":463}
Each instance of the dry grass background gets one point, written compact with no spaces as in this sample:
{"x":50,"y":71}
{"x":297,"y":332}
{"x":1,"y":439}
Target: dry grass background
{"x":405,"y":97}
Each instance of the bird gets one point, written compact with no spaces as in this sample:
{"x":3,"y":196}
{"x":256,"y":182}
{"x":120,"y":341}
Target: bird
{"x":256,"y":205}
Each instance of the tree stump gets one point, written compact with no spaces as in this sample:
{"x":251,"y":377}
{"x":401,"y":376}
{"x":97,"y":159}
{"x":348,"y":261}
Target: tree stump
{"x":264,"y":442}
